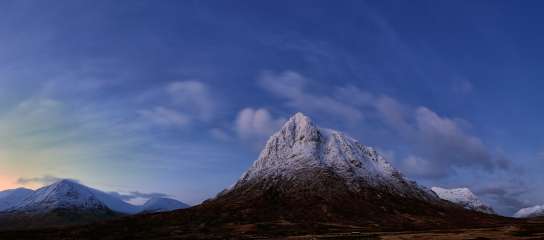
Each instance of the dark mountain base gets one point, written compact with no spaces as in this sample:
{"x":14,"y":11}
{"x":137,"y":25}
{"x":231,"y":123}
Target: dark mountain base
{"x":321,"y":196}
{"x":56,"y":217}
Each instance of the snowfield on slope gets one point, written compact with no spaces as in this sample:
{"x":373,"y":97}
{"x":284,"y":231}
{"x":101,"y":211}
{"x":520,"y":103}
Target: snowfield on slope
{"x":463,"y":197}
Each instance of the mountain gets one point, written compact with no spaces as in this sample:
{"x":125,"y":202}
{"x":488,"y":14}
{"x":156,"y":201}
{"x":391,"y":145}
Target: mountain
{"x":463,"y":197}
{"x":66,"y":202}
{"x":64,"y":194}
{"x":10,"y":198}
{"x":535,"y":211}
{"x":154,"y":205}
{"x":61,"y":203}
{"x":301,"y":146}
{"x":68,"y":194}
{"x":311,"y":174}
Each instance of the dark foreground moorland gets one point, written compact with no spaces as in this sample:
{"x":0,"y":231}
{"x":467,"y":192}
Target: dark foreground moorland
{"x":171,"y":226}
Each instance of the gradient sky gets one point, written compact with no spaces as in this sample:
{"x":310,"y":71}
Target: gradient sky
{"x":177,"y":97}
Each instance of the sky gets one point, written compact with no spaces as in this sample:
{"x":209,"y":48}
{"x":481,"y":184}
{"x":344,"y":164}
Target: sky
{"x":176,"y":98}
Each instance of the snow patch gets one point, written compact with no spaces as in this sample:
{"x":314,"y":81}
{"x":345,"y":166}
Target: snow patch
{"x":463,"y":197}
{"x":535,"y":211}
{"x":10,"y":198}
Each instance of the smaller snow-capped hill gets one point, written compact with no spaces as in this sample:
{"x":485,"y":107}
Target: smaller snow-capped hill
{"x":64,"y":194}
{"x":162,"y":205}
{"x":10,"y":198}
{"x":463,"y":197}
{"x":535,"y":211}
{"x":68,"y":194}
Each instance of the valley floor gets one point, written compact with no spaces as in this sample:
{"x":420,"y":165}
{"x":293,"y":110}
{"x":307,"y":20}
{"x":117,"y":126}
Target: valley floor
{"x":531,"y":229}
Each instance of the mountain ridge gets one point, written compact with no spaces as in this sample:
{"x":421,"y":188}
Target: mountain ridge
{"x":67,"y":202}
{"x":11,"y":197}
{"x":463,"y":197}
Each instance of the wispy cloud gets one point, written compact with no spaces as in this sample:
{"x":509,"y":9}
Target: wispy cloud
{"x":166,"y":117}
{"x":194,"y":97}
{"x":291,"y":86}
{"x":462,"y":86}
{"x":135,"y":194}
{"x":256,"y":123}
{"x":182,"y":103}
{"x":509,"y":197}
{"x":43,"y":180}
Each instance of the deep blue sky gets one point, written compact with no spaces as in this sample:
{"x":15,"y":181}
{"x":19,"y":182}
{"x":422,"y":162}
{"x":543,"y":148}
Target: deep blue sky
{"x":178,"y":96}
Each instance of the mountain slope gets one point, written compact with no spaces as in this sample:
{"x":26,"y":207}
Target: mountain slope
{"x":10,"y":198}
{"x":463,"y":197}
{"x":114,"y":203}
{"x":535,"y":211}
{"x":154,"y":205}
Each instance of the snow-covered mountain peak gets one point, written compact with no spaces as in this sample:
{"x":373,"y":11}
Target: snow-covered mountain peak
{"x":299,"y":126}
{"x":70,"y":194}
{"x":463,"y":197}
{"x":535,"y":211}
{"x":298,"y":131}
{"x":300,"y":144}
{"x":61,"y":194}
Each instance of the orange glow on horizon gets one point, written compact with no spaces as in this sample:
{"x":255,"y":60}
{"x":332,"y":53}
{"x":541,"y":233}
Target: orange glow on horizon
{"x":7,"y":183}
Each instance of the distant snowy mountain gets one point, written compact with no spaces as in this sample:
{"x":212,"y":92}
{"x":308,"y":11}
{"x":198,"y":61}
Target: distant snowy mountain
{"x":12,"y":197}
{"x":463,"y":197}
{"x":69,"y":202}
{"x":162,"y":205}
{"x":535,"y":211}
{"x":68,"y":194}
{"x":64,"y":194}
